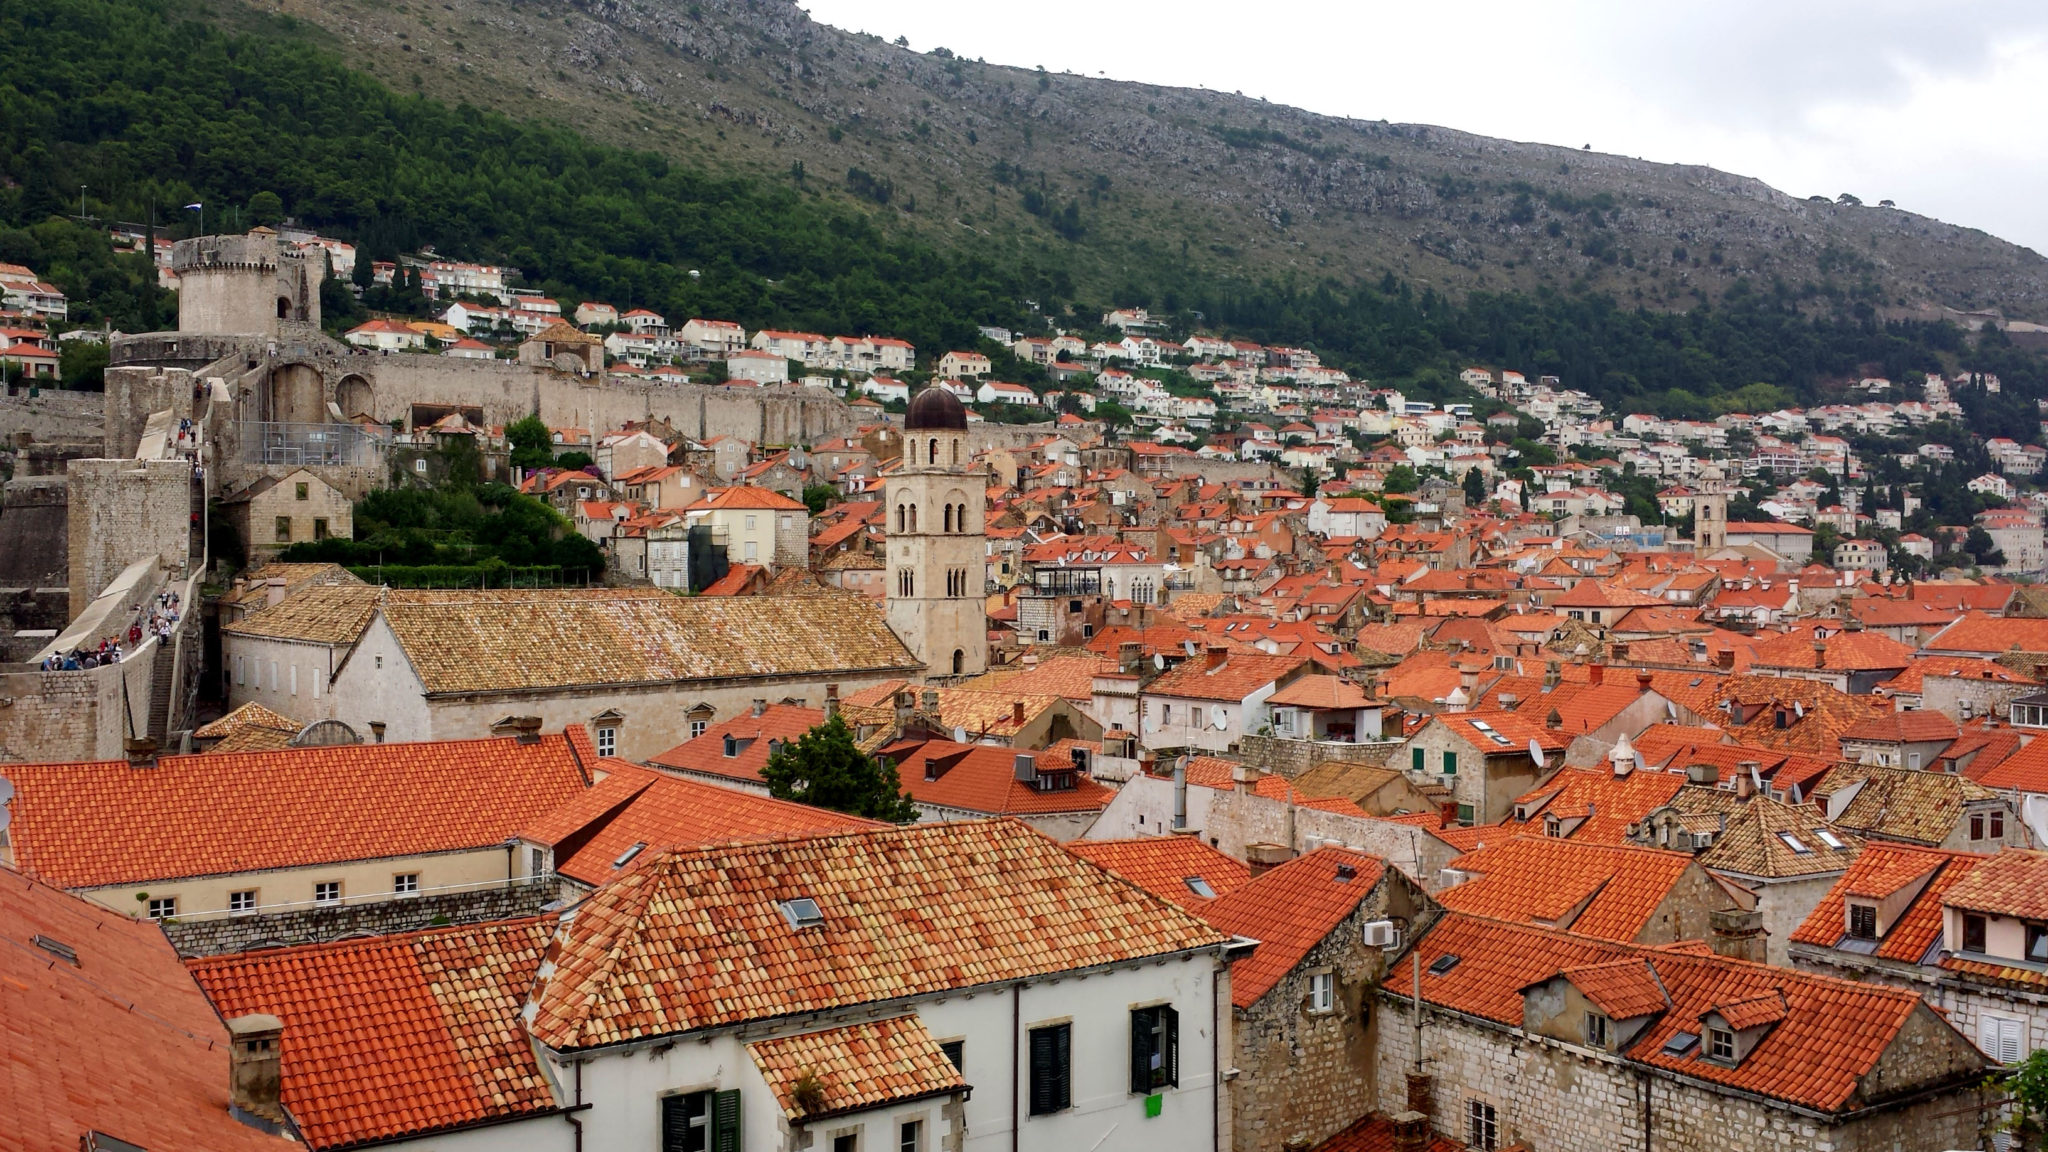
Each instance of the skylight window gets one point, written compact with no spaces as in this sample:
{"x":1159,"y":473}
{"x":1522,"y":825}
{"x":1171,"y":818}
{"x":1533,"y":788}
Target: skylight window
{"x":802,"y":913}
{"x":1829,"y":838}
{"x":1199,"y":887}
{"x":1487,"y":730}
{"x":1795,"y":844}
{"x":59,"y":949}
{"x":1681,"y":1043}
{"x":1444,"y":963}
{"x":626,"y":857}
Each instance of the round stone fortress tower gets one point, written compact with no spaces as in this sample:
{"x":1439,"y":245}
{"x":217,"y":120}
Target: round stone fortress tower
{"x":245,"y":285}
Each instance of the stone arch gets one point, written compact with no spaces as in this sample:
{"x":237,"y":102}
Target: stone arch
{"x":959,"y":662}
{"x":355,"y":397}
{"x":295,"y":393}
{"x":284,"y":308}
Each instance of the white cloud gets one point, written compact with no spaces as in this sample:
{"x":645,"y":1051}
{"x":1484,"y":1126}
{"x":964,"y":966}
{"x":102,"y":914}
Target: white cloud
{"x":1935,"y":105}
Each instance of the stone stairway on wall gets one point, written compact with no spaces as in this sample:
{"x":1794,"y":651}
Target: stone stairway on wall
{"x":162,"y":673}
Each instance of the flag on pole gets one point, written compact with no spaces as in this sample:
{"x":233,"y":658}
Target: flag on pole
{"x":190,"y":207}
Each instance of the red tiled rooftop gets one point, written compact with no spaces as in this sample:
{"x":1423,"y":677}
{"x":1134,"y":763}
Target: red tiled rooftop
{"x":750,"y":734}
{"x":1163,"y":866}
{"x":1289,"y":910}
{"x":1605,"y":891}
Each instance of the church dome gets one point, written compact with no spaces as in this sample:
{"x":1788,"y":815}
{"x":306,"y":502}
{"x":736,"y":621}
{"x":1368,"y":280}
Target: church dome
{"x":935,"y":409}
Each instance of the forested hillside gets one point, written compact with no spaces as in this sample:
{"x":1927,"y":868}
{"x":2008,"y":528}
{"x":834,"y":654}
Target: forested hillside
{"x":150,"y":111}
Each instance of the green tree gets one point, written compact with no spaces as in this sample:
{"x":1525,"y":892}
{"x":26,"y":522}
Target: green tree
{"x":817,"y":497}
{"x":826,"y":769}
{"x":2028,"y":1087}
{"x":1400,"y":478}
{"x":1982,"y":548}
{"x":82,"y":364}
{"x":533,"y":445}
{"x":266,"y":208}
{"x":1475,"y":488}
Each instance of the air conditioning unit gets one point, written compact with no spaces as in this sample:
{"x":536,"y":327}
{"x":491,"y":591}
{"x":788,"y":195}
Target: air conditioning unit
{"x":1451,"y":878}
{"x":1381,"y":934}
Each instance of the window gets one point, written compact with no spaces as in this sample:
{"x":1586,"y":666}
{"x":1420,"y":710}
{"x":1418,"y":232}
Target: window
{"x":608,"y":740}
{"x":846,"y":1142}
{"x":910,"y":1136}
{"x":750,"y":523}
{"x":284,"y":528}
{"x":1797,"y":845}
{"x":697,"y":728}
{"x":1466,"y":815}
{"x":1482,"y":1126}
{"x":163,"y":907}
{"x":406,"y":883}
{"x":1415,"y":760}
{"x":1155,"y":1049}
{"x":1994,"y":824}
{"x":320,"y":528}
{"x":1051,"y":1056}
{"x":304,"y":490}
{"x":1973,"y":933}
{"x":536,"y":861}
{"x":701,"y":1122}
{"x":956,"y":1051}
{"x":1863,"y":921}
{"x":753,"y":552}
{"x":1721,"y":1044}
{"x":292,"y":678}
{"x":1597,"y":1028}
{"x":420,"y":465}
{"x":1322,"y":992}
{"x":327,"y":892}
{"x":1450,"y":763}
{"x":243,"y":901}
{"x":2037,"y":943}
{"x":2002,"y":1038}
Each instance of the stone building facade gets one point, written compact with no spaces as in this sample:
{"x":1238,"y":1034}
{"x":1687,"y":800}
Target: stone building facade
{"x":297,"y":508}
{"x":120,"y":511}
{"x":937,"y":546}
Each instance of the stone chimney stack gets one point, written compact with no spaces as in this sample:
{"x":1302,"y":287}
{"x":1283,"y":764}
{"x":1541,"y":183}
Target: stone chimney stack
{"x":831,"y":701}
{"x":1411,"y":1132}
{"x":1738,"y":933}
{"x":273,"y":592}
{"x":1017,"y":713}
{"x":1217,"y":654}
{"x":1027,"y":768}
{"x":1129,"y":655}
{"x":141,"y":751}
{"x":1745,"y":779}
{"x":931,"y":700}
{"x":255,"y":1065}
{"x":759,"y":707}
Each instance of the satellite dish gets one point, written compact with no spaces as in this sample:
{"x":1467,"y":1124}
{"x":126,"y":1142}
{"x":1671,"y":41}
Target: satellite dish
{"x":1219,"y":717}
{"x":1535,"y":751}
{"x":1159,"y":660}
{"x":959,"y":734}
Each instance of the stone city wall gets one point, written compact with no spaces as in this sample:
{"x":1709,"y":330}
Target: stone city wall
{"x":220,"y":934}
{"x":120,"y":511}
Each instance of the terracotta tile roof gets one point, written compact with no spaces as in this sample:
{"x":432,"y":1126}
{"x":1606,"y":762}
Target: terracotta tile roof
{"x":906,"y":911}
{"x":250,"y":728}
{"x":1985,"y":634}
{"x":394,"y":1036}
{"x":1624,"y":989}
{"x":2012,"y":883}
{"x":658,"y":812}
{"x":1901,"y":803}
{"x":982,"y":778}
{"x":1605,"y":891}
{"x":1596,"y":806}
{"x":505,"y":641}
{"x":1516,"y":728}
{"x":857,"y":1067}
{"x":321,"y":614}
{"x":1320,"y":692}
{"x":122,"y":1043}
{"x":1832,"y":1035}
{"x":749,"y":496}
{"x":1753,"y":1012}
{"x":1375,"y":1133}
{"x":255,"y":588}
{"x":1882,"y":870}
{"x":103,"y":822}
{"x":750,"y":735}
{"x":1238,"y":676}
{"x":1289,"y":910}
{"x":1844,"y":652}
{"x":1163,"y":865}
{"x":1751,"y":840}
{"x":1915,"y":727}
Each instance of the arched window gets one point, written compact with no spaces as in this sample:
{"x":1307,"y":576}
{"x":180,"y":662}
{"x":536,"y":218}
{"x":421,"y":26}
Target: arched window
{"x":901,"y":519}
{"x":906,"y":582}
{"x":956,"y":452}
{"x":949,"y":517}
{"x":913,"y":518}
{"x":959,"y":662}
{"x":932,"y":457}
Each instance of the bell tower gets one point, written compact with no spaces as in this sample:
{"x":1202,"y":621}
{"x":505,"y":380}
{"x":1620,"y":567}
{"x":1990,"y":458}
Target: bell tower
{"x":1710,"y":512}
{"x":937,"y":549}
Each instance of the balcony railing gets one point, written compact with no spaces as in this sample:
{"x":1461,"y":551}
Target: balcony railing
{"x":279,"y":442}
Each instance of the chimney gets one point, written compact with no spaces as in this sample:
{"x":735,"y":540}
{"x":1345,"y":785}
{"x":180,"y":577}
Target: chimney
{"x":528,"y":728}
{"x":1027,"y":768}
{"x":931,"y":700}
{"x":1745,"y":779}
{"x":1180,"y":794}
{"x":1551,"y":675}
{"x":1243,"y":777}
{"x":1468,"y":679}
{"x":1411,"y":1132}
{"x":1596,"y":674}
{"x":273,"y":592}
{"x":831,"y":701}
{"x":1017,"y":713}
{"x":1820,"y":654}
{"x":760,"y":706}
{"x":1725,"y":658}
{"x":1617,"y":651}
{"x":1218,"y":653}
{"x":377,"y":731}
{"x":1263,"y":858}
{"x":1507,"y":701}
{"x":1129,"y":655}
{"x":141,"y":752}
{"x":904,"y":701}
{"x":1738,"y":933}
{"x":1420,"y":1088}
{"x":255,"y":1065}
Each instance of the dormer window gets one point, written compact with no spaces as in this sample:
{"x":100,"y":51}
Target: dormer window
{"x":1863,"y":921}
{"x":732,"y":746}
{"x":1721,"y":1045}
{"x":1598,"y":1029}
{"x":2037,"y":943}
{"x":1973,"y":933}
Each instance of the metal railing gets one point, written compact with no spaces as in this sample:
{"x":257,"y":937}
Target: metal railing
{"x":292,"y":444}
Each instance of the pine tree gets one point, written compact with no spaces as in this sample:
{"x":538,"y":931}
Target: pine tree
{"x":825,"y":769}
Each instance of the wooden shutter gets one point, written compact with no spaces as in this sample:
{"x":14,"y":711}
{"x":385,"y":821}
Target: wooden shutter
{"x":1051,"y":1057}
{"x":675,"y":1122}
{"x":1141,"y":1050}
{"x":1169,"y":1047}
{"x":725,"y":1121}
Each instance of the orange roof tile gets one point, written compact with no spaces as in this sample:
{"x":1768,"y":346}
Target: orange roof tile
{"x":1238,"y":676}
{"x":1606,"y":891}
{"x":1290,"y":910}
{"x":396,"y":1036}
{"x":1915,"y":727}
{"x":1166,"y":865}
{"x":1016,"y":905}
{"x":1320,"y":692}
{"x":1832,"y":1034}
{"x":104,"y":822}
{"x":857,"y":1067}
{"x":982,"y":779}
{"x":121,"y":1042}
{"x":750,"y":735}
{"x":1882,"y":870}
{"x":1601,"y":804}
{"x":2012,"y":883}
{"x":1843,"y":652}
{"x":1375,"y":1133}
{"x":1624,"y":989}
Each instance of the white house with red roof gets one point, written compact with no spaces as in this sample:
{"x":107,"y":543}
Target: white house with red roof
{"x":964,"y":365}
{"x":386,"y":336}
{"x":806,"y":347}
{"x":713,"y":337}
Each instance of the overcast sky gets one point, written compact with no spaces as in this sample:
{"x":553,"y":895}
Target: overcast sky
{"x":1941,"y":106}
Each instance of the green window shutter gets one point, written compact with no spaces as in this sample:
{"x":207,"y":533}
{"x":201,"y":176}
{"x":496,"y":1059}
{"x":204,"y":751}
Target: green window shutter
{"x":1169,"y":1042}
{"x":1450,"y":763}
{"x":1465,"y":814}
{"x":1415,"y":756}
{"x":1141,"y":1050}
{"x":725,"y":1121}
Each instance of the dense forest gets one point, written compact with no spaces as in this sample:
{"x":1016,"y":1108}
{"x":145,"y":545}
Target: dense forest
{"x":129,"y":110}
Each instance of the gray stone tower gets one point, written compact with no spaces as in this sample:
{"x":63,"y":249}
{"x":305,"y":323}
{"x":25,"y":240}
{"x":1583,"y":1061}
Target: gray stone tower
{"x":1710,"y":512}
{"x":245,"y":285}
{"x":937,"y":550}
